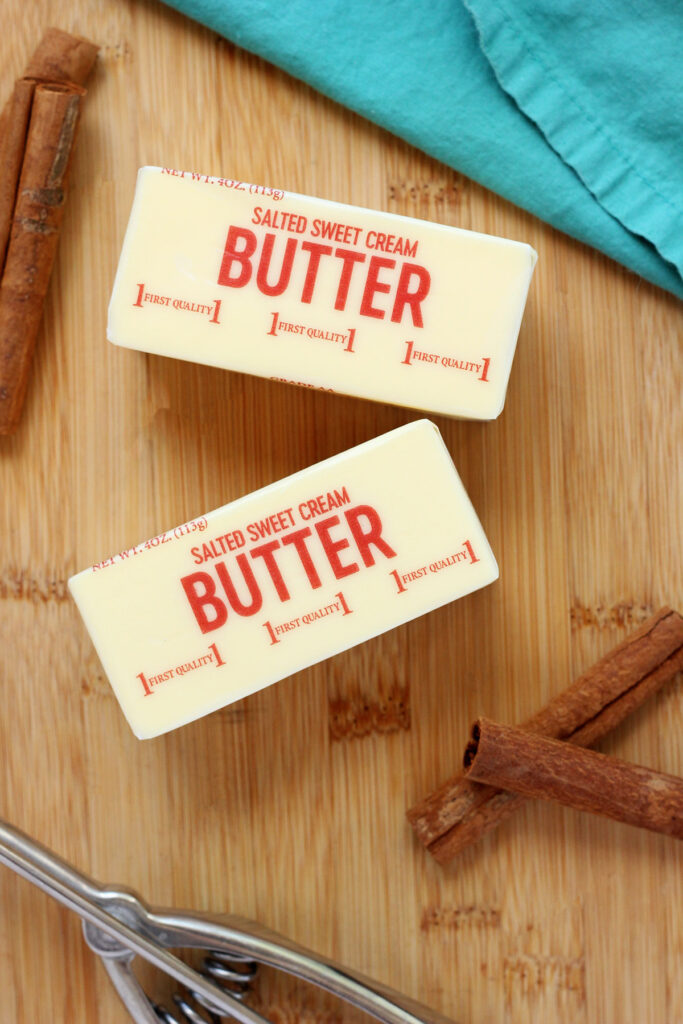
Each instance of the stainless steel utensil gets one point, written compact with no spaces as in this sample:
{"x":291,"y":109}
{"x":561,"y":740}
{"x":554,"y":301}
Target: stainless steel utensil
{"x":119,"y":926}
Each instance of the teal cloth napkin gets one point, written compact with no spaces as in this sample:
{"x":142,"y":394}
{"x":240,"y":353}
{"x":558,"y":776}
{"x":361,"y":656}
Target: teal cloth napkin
{"x":571,"y":110}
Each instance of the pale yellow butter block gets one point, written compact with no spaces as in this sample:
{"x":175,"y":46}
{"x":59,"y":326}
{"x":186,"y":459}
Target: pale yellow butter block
{"x":320,"y":294}
{"x":222,"y":606}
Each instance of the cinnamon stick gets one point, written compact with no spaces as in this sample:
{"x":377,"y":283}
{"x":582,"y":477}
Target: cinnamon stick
{"x":42,"y":112}
{"x":13,"y":127}
{"x":59,"y":58}
{"x":62,"y":57}
{"x":33,"y":241}
{"x":547,"y":769}
{"x":461,"y":811}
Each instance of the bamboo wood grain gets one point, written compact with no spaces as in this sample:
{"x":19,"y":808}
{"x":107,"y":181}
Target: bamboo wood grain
{"x":289,"y":807}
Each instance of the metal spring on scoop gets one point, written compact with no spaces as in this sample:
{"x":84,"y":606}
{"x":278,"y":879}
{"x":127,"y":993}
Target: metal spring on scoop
{"x":232,"y":972}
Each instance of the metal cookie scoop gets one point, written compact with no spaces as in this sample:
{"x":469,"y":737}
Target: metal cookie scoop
{"x":119,"y":926}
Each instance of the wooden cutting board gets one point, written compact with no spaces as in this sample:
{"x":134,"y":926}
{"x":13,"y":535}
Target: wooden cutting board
{"x":289,"y":807}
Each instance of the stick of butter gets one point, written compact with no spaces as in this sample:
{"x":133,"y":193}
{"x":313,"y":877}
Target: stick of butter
{"x":320,"y":294}
{"x":226,"y":604}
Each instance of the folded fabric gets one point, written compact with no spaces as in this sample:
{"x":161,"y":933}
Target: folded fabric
{"x":570,"y":110}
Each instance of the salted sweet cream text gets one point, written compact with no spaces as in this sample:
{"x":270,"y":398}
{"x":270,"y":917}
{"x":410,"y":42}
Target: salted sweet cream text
{"x":298,"y":545}
{"x":384,"y":287}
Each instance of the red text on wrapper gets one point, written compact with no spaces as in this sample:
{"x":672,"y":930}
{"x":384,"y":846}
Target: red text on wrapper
{"x":143,"y":297}
{"x":404,"y":579}
{"x":314,"y":333}
{"x":277,"y":630}
{"x":413,"y":356}
{"x":330,"y":544}
{"x":250,"y":256}
{"x":149,"y":683}
{"x":162,"y":538}
{"x":239,"y":186}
